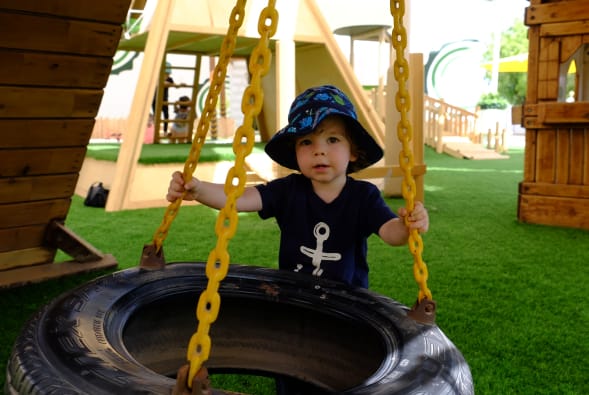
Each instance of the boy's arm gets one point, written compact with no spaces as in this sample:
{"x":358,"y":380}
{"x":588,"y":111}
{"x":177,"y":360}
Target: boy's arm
{"x":394,"y":231}
{"x":211,"y":194}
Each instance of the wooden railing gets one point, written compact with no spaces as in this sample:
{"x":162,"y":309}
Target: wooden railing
{"x":443,"y":119}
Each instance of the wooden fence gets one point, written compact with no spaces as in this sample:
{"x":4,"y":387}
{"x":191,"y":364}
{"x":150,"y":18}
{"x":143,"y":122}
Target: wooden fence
{"x":443,"y":119}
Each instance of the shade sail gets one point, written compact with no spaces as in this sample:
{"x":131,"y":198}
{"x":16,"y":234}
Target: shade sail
{"x":515,"y":64}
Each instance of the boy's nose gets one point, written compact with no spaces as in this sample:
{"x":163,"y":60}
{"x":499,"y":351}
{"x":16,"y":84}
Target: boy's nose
{"x":319,"y":148}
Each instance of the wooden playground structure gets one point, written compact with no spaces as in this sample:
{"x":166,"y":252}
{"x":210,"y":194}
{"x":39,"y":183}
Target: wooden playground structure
{"x":51,"y":82}
{"x":555,"y":186}
{"x":56,"y":59}
{"x":305,"y":54}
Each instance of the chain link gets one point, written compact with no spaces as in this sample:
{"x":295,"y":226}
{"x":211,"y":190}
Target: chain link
{"x":218,"y":261}
{"x":405,"y":135}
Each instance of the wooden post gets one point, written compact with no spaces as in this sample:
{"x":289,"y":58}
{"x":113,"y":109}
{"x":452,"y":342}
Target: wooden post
{"x":194,"y":95}
{"x":140,"y":108}
{"x":489,"y":137}
{"x":285,"y":55}
{"x":416,"y":90}
{"x":392,"y":145}
{"x":440,"y":131}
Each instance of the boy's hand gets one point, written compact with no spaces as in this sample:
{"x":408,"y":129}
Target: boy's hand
{"x":419,"y":218}
{"x":177,"y":189}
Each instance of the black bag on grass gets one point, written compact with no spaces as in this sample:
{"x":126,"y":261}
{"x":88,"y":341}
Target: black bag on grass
{"x":97,"y":195}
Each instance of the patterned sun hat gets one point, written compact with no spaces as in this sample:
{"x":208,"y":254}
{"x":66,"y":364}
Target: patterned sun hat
{"x":306,"y":112}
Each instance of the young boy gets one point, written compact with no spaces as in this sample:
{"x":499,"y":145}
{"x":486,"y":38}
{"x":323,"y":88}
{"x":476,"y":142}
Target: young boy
{"x":325,"y":216}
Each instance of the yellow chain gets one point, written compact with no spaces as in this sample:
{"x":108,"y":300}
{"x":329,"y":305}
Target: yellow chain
{"x":405,"y":135}
{"x":218,"y":79}
{"x":243,"y":142}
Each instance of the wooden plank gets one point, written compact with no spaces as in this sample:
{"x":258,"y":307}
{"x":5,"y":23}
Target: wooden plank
{"x":549,"y":211}
{"x":30,"y":162}
{"x":34,"y":213}
{"x":517,"y":115}
{"x":530,"y":155}
{"x":533,"y":56}
{"x":554,"y":190}
{"x":548,"y":69}
{"x":471,"y":151}
{"x":49,"y":34}
{"x":22,"y":237}
{"x":417,"y":90}
{"x":139,"y":113}
{"x":57,"y":70}
{"x":113,"y":11}
{"x":20,"y":102}
{"x":530,"y":116}
{"x":533,"y":123}
{"x":546,"y":151}
{"x":569,"y":46}
{"x":553,"y":12}
{"x":30,"y":256}
{"x":38,"y":133}
{"x":26,"y":189}
{"x":561,"y":172}
{"x":585,"y":166}
{"x":563,"y":29}
{"x":549,"y":49}
{"x":578,"y":161}
{"x":563,"y":113}
{"x":59,"y":236}
{"x":34,"y":274}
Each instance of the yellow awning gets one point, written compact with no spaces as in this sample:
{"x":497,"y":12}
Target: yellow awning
{"x":516,"y":64}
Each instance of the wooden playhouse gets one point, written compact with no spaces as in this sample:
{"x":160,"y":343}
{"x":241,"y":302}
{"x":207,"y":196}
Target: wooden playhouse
{"x":555,"y":186}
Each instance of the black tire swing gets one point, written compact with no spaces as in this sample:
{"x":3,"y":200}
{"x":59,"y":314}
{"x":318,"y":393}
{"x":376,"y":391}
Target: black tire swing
{"x":126,"y":333}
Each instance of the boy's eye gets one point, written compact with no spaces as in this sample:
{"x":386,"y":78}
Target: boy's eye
{"x":304,"y":142}
{"x":332,"y":139}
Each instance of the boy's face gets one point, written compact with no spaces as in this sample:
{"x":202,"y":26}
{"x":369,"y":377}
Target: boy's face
{"x":324,"y":154}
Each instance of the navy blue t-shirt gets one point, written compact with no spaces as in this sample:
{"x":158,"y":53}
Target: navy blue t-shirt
{"x":325,"y":239}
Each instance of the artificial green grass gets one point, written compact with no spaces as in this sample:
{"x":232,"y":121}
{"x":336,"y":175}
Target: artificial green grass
{"x":510,"y":295}
{"x":169,"y":153}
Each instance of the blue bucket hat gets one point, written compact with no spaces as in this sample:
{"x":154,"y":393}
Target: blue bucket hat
{"x":306,"y":112}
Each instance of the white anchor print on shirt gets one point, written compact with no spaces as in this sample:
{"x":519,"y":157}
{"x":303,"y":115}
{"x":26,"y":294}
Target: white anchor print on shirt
{"x":321,"y":232}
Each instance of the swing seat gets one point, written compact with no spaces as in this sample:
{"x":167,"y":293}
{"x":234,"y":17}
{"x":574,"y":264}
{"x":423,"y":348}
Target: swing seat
{"x":127,"y":332}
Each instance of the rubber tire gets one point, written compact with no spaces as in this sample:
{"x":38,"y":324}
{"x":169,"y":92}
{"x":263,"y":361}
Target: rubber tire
{"x":127,"y":333}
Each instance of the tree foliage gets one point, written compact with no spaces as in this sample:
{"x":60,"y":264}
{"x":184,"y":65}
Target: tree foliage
{"x":514,"y":41}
